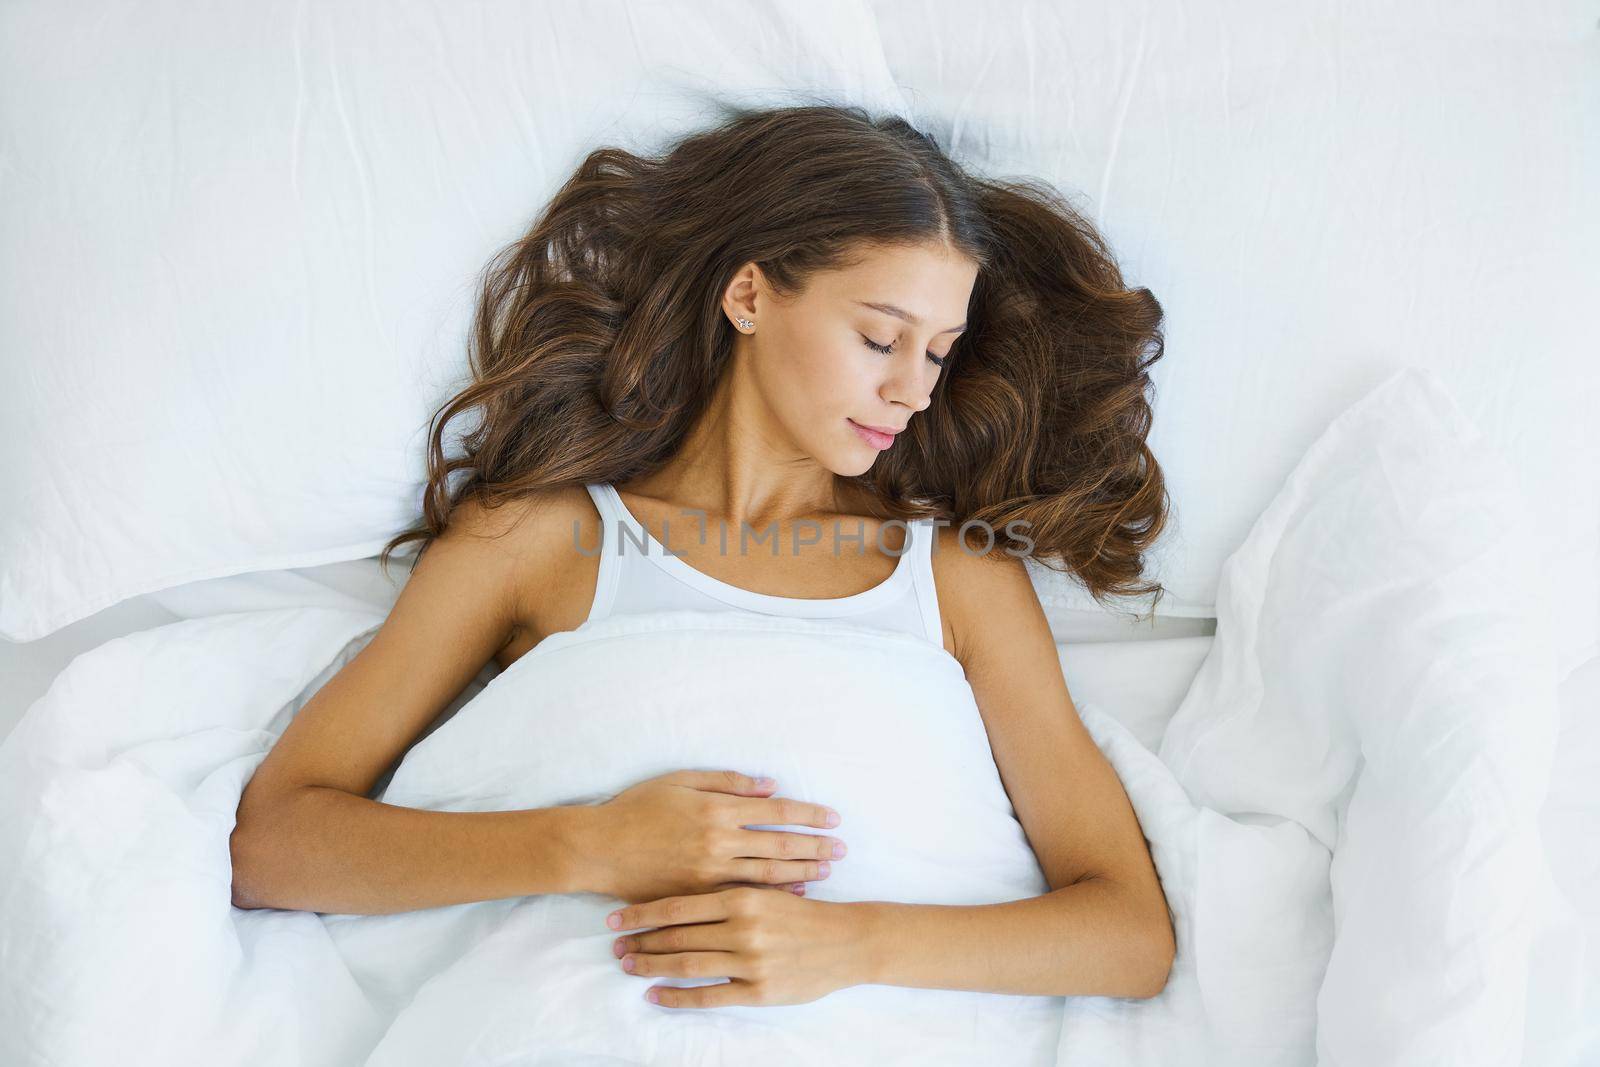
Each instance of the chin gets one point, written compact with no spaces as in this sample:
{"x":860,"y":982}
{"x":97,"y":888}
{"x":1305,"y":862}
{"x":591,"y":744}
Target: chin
{"x":849,"y":463}
{"x":845,"y":465}
{"x":859,"y":468}
{"x":848,"y":458}
{"x":859,"y":459}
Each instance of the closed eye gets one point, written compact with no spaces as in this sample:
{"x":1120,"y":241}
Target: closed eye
{"x":938,"y":361}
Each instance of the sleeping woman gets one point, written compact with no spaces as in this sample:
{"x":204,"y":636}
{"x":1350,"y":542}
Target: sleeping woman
{"x":803,"y":327}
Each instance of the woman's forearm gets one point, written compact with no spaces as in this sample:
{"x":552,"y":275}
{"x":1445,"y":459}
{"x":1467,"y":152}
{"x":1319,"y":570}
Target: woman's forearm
{"x":326,"y":850}
{"x":1091,"y":938}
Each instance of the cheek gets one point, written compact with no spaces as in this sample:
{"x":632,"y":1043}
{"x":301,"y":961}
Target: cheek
{"x":830,"y":382}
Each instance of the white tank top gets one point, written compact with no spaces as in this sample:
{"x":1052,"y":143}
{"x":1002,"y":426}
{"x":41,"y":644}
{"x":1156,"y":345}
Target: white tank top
{"x":636,"y":579}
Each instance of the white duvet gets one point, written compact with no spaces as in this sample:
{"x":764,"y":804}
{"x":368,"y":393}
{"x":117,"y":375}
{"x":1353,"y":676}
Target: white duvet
{"x":880,"y":726}
{"x":1342,"y":816}
{"x":122,"y":919}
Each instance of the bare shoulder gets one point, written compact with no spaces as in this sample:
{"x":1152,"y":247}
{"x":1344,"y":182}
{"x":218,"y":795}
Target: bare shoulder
{"x":517,"y":523}
{"x":551,"y":541}
{"x":457,"y":609}
{"x":980,"y":594}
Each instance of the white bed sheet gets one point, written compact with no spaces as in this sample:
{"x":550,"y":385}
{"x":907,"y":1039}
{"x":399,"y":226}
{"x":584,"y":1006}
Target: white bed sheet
{"x":1138,"y":671}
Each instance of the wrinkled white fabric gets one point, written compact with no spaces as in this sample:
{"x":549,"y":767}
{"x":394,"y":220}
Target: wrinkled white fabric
{"x":1341,"y":814}
{"x":880,"y":726}
{"x":121,"y":786}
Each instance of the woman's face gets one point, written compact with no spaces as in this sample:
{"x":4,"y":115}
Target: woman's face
{"x":836,"y":361}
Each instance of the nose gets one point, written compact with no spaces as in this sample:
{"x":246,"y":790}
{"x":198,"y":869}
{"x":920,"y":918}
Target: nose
{"x":908,"y":387}
{"x":916,"y":399}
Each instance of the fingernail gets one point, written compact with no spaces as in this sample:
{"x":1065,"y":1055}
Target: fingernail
{"x":614,"y":920}
{"x":627,"y":963}
{"x":833,"y":817}
{"x":838,"y":849}
{"x":823,"y":869}
{"x":618,"y":947}
{"x":765,"y":783}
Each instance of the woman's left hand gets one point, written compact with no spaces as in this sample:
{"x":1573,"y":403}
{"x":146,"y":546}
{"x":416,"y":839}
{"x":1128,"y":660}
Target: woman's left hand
{"x":778,"y":948}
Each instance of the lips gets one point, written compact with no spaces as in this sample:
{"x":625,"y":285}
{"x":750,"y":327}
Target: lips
{"x":879,"y":439}
{"x":890,"y":430}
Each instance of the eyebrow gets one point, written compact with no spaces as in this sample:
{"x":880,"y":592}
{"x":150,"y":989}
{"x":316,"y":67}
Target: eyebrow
{"x":902,"y":313}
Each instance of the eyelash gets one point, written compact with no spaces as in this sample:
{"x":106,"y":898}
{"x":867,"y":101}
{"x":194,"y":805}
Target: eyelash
{"x":938,"y":361}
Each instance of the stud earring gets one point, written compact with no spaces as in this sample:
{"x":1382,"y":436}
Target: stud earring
{"x":745,"y":324}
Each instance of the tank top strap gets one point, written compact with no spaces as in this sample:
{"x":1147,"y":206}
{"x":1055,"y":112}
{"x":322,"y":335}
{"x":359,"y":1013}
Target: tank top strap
{"x":605,"y":590}
{"x":925,"y":536}
{"x":602,"y":502}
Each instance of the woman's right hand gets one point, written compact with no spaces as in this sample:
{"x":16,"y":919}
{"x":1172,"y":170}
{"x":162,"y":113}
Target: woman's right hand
{"x":683,"y":833}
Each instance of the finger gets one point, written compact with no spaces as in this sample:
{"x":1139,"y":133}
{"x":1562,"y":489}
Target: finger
{"x":682,"y":964}
{"x":778,"y":844}
{"x":672,"y":911}
{"x":786,"y":811}
{"x":701,"y":996}
{"x":703,"y":937}
{"x":759,"y":871}
{"x":798,"y":888}
{"x":724,"y":782}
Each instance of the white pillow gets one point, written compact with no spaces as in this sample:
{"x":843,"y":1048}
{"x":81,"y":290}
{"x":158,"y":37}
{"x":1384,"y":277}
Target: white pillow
{"x":240,"y":242}
{"x":283,"y":266}
{"x":1390,"y":686}
{"x":1318,"y":195}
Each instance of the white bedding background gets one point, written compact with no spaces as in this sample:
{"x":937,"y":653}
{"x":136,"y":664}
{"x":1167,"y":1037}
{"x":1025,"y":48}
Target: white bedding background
{"x":280,"y":277}
{"x":237,"y":244}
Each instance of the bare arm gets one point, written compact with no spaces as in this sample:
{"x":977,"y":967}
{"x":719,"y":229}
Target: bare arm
{"x":1091,"y":938}
{"x":306,"y":835}
{"x":336,"y":852}
{"x":1104,"y":928}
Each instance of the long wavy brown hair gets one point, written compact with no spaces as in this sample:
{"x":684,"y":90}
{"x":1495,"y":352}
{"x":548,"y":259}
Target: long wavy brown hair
{"x":598,"y":336}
